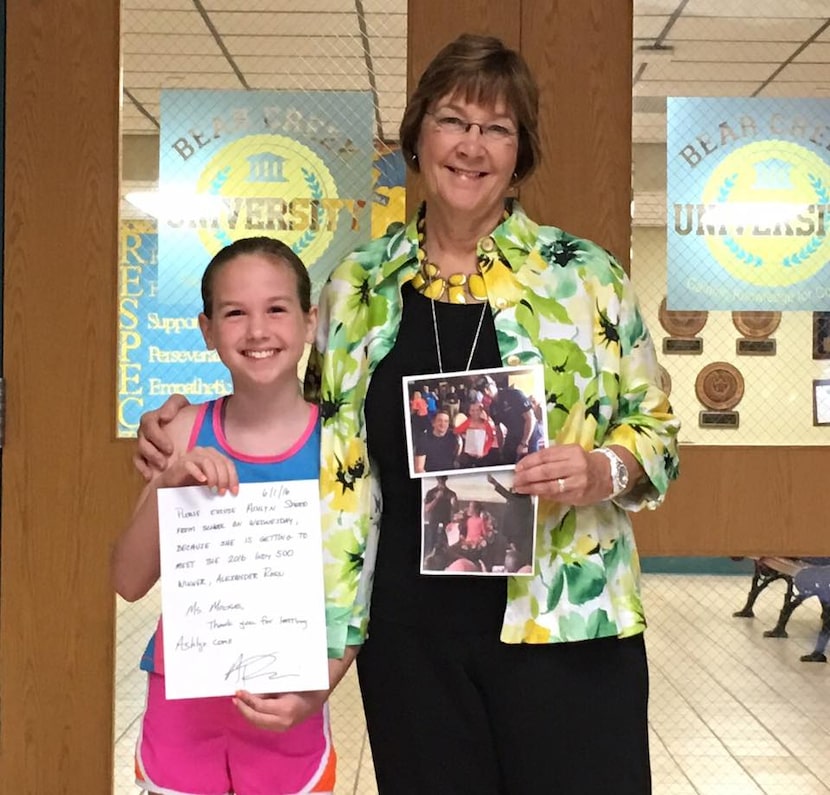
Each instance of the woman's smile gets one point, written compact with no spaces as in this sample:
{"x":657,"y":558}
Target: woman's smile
{"x":466,"y":172}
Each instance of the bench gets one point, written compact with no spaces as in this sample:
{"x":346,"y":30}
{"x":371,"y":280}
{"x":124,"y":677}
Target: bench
{"x":804,"y":577}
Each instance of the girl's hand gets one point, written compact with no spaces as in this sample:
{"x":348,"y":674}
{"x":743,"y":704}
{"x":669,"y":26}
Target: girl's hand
{"x":155,"y":447}
{"x":202,"y":466}
{"x":281,"y":711}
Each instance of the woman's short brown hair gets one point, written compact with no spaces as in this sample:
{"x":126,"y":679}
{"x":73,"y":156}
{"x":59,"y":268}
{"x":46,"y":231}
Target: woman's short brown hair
{"x":482,"y":70}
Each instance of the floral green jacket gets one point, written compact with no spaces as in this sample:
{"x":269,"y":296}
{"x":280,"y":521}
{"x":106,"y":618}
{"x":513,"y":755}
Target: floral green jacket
{"x":557,"y":300}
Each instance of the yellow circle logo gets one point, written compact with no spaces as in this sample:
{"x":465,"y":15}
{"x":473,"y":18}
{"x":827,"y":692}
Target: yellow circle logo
{"x":270,"y":185}
{"x":763,"y":213}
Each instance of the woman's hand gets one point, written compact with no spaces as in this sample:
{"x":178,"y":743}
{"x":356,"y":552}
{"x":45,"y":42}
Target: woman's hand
{"x":202,"y":466}
{"x":281,"y":711}
{"x":565,"y":473}
{"x":155,"y":446}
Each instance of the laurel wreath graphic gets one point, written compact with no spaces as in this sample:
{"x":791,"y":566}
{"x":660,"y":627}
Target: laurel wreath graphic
{"x":814,"y":245}
{"x":316,"y":192}
{"x":804,"y":253}
{"x":305,"y":240}
{"x":215,"y":188}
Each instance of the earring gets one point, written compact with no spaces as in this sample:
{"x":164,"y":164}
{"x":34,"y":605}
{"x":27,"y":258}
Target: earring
{"x":414,"y":157}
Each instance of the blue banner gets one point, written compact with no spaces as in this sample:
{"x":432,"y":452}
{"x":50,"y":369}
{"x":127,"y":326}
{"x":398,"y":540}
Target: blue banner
{"x":748,"y":204}
{"x":233,"y":164}
{"x":159,"y":354}
{"x":162,"y":352}
{"x":298,"y":166}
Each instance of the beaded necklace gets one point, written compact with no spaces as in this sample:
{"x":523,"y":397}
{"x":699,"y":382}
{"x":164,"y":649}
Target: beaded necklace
{"x":429,"y":282}
{"x":459,"y":287}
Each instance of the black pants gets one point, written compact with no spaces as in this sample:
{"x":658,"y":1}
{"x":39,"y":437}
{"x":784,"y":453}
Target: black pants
{"x":469,"y":715}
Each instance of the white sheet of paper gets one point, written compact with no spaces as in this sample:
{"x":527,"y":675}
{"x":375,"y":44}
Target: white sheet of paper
{"x":474,"y":439}
{"x":242,"y":590}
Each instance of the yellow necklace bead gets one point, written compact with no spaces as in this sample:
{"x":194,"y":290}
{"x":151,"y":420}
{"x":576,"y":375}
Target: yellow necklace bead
{"x":457,"y":294}
{"x":477,"y":287}
{"x":431,"y":270}
{"x":419,"y":282}
{"x":434,"y":289}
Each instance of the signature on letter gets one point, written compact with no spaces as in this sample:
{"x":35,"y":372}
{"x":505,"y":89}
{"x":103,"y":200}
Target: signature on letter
{"x":256,"y":667}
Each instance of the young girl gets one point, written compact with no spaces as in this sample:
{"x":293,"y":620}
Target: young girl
{"x":258,"y":317}
{"x":479,"y":435}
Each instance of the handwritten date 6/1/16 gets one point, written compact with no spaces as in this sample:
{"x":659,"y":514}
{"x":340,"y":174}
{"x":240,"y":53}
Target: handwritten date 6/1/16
{"x":260,"y":666}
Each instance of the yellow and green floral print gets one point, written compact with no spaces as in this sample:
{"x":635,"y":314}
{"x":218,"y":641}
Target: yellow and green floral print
{"x":559,"y":301}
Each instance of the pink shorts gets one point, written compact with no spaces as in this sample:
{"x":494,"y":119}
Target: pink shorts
{"x":203,"y":746}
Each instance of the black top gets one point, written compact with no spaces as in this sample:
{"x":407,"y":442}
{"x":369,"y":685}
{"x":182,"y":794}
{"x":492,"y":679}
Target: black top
{"x":439,"y":451}
{"x":441,"y":512}
{"x":401,"y":593}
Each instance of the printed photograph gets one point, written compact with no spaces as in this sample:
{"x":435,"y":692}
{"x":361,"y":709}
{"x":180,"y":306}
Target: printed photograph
{"x":473,"y":420}
{"x":476,"y":524}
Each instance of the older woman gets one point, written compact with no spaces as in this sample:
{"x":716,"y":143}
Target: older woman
{"x":490,"y":685}
{"x":469,"y":685}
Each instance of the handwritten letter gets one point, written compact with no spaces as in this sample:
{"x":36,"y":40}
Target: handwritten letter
{"x":242,"y":590}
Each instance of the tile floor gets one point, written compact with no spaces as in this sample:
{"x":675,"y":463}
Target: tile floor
{"x":732,"y":712}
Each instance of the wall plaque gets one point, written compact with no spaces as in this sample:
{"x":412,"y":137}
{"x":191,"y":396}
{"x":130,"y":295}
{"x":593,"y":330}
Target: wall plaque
{"x":821,"y":335}
{"x":682,"y":328}
{"x":821,"y":401}
{"x":719,"y":387}
{"x":756,"y":328}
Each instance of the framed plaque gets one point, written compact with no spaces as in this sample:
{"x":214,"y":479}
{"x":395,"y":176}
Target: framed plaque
{"x":719,"y":387}
{"x":682,"y":328}
{"x":821,"y":401}
{"x":821,"y":335}
{"x":756,"y":328}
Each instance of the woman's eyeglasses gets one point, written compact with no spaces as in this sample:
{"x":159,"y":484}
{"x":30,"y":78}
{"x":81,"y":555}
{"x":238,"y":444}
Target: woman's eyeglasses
{"x":453,"y":125}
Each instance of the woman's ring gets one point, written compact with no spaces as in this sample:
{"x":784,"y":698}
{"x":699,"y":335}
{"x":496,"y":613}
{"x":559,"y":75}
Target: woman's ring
{"x":561,"y":483}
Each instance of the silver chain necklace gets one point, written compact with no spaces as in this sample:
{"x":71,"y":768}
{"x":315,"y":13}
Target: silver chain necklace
{"x":438,"y":341}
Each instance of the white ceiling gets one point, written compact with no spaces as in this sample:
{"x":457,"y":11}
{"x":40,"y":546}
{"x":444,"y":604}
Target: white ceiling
{"x":263,"y":44}
{"x":774,"y":48}
{"x":728,"y":48}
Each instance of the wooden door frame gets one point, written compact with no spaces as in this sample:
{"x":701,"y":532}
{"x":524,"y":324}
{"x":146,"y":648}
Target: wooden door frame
{"x":66,"y":481}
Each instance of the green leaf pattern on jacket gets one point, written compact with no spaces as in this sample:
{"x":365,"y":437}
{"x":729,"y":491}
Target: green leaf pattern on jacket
{"x":557,"y":300}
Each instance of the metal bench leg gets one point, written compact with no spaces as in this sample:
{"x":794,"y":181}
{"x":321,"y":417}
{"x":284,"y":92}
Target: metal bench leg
{"x":761,"y":578}
{"x":790,"y":604}
{"x":818,"y":655}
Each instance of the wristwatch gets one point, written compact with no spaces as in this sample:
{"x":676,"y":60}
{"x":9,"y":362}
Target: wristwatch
{"x":619,"y":471}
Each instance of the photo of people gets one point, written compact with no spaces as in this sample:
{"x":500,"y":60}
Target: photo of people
{"x":480,"y":419}
{"x":475,"y":524}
